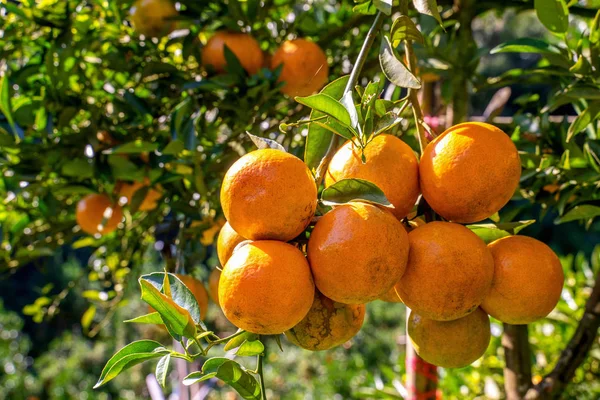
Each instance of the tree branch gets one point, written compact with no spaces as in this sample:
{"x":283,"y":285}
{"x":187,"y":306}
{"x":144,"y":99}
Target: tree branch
{"x":575,"y":353}
{"x":517,"y":372}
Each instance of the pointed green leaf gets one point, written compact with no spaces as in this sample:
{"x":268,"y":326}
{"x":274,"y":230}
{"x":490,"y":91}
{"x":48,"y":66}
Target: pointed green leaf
{"x":152,"y":318}
{"x":393,"y":69}
{"x":404,"y":28}
{"x":585,"y":211}
{"x":526,"y":45}
{"x":554,"y":14}
{"x":491,"y":232}
{"x":589,"y":115}
{"x":173,"y":148}
{"x":177,"y":320}
{"x":327,"y":105}
{"x":196,"y":377}
{"x":319,"y":138}
{"x":347,"y":190}
{"x":180,"y":294}
{"x":88,"y":317}
{"x":385,"y":6}
{"x":162,"y":369}
{"x":238,"y":340}
{"x":233,"y":374}
{"x":135,"y":147}
{"x":250,"y":348}
{"x":428,"y":7}
{"x":264,"y":143}
{"x":130,"y":355}
{"x":387,"y":122}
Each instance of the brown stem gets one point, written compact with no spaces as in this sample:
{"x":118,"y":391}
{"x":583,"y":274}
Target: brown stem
{"x":575,"y":353}
{"x":517,"y":372}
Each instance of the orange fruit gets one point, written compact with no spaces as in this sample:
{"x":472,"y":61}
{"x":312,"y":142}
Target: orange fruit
{"x":197,"y":289}
{"x":152,"y":18}
{"x":244,"y":46}
{"x":327,"y":324}
{"x":213,"y":285}
{"x":449,"y":271}
{"x":391,"y":296}
{"x":266,"y":287}
{"x":357,"y":252}
{"x":450,"y":344}
{"x":305,"y":69}
{"x":149,"y":203}
{"x":96,"y":214}
{"x":469,"y":172}
{"x":226,"y":242}
{"x":269,"y":194}
{"x":391,"y":165}
{"x":528,"y":280}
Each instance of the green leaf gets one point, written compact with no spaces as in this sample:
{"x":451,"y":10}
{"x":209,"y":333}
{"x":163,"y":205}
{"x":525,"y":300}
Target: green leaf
{"x":428,"y":7}
{"x":347,"y":101}
{"x":264,"y":143}
{"x":319,"y":138}
{"x":162,"y":368}
{"x":554,"y":14}
{"x":490,"y":232}
{"x":79,"y":168}
{"x":334,"y":127}
{"x":130,"y":355}
{"x":152,"y":318}
{"x":173,"y":148}
{"x":250,"y":348}
{"x":138,"y":198}
{"x":385,"y":6}
{"x":135,"y":147}
{"x":387,"y":122}
{"x":88,"y":317}
{"x":177,"y":320}
{"x":585,"y":211}
{"x":367,"y":8}
{"x":231,"y":373}
{"x":404,"y":28}
{"x":72,"y":189}
{"x":526,"y":45}
{"x":327,"y":105}
{"x":393,"y":69}
{"x":346,"y":190}
{"x":583,"y":120}
{"x":180,"y":294}
{"x":238,"y":340}
{"x":5,"y":106}
{"x":234,"y":66}
{"x":196,"y":377}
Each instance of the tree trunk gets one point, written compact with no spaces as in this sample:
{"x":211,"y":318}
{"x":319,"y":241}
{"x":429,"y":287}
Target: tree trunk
{"x":517,"y":372}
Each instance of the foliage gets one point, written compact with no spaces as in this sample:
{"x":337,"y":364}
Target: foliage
{"x":86,"y":103}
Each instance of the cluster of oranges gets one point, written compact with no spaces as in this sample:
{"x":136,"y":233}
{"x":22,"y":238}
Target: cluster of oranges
{"x":304,"y":71}
{"x":313,"y":284}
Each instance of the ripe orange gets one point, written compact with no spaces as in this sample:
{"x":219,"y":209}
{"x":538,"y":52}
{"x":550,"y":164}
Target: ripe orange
{"x":149,"y":203}
{"x":449,"y":271}
{"x":469,"y":172}
{"x":269,"y":194}
{"x":450,"y":344}
{"x":197,"y":289}
{"x":528,"y":280}
{"x":93,"y":209}
{"x":244,"y":46}
{"x":266,"y":287}
{"x":391,"y":165}
{"x":305,"y":68}
{"x":152,"y":18}
{"x":213,"y":285}
{"x":327,"y":324}
{"x":357,"y":252}
{"x":226,"y":242}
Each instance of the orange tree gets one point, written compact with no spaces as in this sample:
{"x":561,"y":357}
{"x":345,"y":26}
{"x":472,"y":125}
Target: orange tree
{"x":139,"y":110}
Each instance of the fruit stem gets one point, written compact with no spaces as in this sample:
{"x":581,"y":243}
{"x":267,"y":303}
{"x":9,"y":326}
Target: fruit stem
{"x":259,"y":371}
{"x":413,"y":98}
{"x":352,"y":81}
